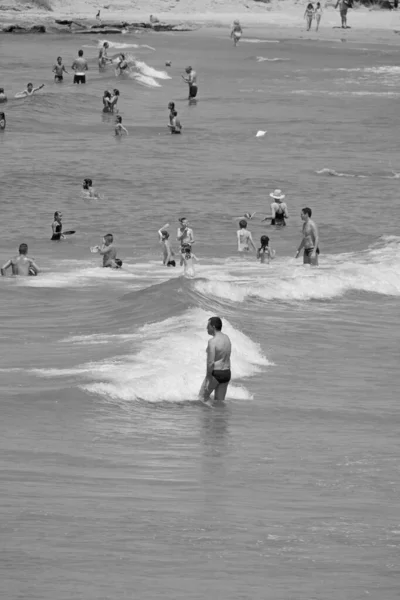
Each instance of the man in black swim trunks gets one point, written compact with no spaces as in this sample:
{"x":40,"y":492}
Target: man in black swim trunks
{"x":310,"y":241}
{"x":191,"y":80}
{"x":218,"y":373}
{"x":80,"y":67}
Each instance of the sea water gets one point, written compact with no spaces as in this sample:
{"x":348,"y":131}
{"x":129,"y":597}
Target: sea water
{"x":116,"y":482}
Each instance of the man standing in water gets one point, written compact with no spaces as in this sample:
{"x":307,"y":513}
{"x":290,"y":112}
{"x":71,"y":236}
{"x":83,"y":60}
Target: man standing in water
{"x":191,"y":80}
{"x":21,"y":265}
{"x":218,"y":373}
{"x":80,"y":67}
{"x":185,"y":233}
{"x":310,"y":241}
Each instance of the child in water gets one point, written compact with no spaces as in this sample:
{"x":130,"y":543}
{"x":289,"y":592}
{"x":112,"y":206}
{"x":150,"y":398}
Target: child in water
{"x":168,"y":253}
{"x":119,"y":128}
{"x":309,"y":15}
{"x":187,"y":258}
{"x":175,"y":124}
{"x":244,"y":237}
{"x":89,"y":189}
{"x":265,"y":253}
{"x":109,"y":252}
{"x":59,"y":70}
{"x":30,"y":90}
{"x":3,"y":121}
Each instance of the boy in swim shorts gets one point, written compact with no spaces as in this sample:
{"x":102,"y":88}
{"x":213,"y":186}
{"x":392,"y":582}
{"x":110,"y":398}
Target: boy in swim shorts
{"x":58,"y":70}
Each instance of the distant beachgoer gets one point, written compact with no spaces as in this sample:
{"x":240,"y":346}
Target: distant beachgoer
{"x":80,"y":67}
{"x":310,"y":241}
{"x":107,"y":101}
{"x":244,"y":237}
{"x":56,"y":227}
{"x":236,"y":32}
{"x":114,"y":99}
{"x":98,"y":16}
{"x":318,"y":14}
{"x":22,"y":264}
{"x":89,"y":189}
{"x":175,"y":124}
{"x":279,"y":210}
{"x":58,"y":70}
{"x":187,"y":259}
{"x":168,"y":253}
{"x":309,"y":15}
{"x":185,"y":234}
{"x":119,"y":128}
{"x":154,"y":19}
{"x":3,"y":97}
{"x":218,"y":369}
{"x":122,"y":65}
{"x":265,"y":252}
{"x":109,"y":252}
{"x":3,"y":121}
{"x":191,"y":80}
{"x":103,"y":58}
{"x":30,"y":90}
{"x":344,"y":6}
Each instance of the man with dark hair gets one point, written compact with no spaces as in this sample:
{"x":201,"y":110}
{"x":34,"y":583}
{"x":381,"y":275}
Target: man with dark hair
{"x":21,"y":265}
{"x":185,"y":233}
{"x":80,"y":67}
{"x":218,"y":372}
{"x":310,"y":241}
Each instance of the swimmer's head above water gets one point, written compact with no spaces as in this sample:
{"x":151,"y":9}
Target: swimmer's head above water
{"x":108,"y":239}
{"x":58,"y":215}
{"x":80,"y":53}
{"x":87,"y":183}
{"x":242,"y":224}
{"x":171,"y":105}
{"x":59,"y":59}
{"x":115,"y":92}
{"x":264,"y":241}
{"x":188,"y":69}
{"x":214,"y":324}
{"x":164,"y":234}
{"x":106,"y":45}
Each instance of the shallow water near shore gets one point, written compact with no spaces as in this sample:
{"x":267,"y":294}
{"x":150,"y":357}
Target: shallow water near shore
{"x":116,"y":482}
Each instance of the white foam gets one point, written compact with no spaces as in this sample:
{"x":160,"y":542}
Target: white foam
{"x":167,"y":362}
{"x":263,"y":59}
{"x":122,"y":46}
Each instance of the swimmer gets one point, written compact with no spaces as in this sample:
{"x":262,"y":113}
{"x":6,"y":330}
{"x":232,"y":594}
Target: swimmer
{"x":103,"y":58}
{"x":80,"y":67}
{"x":309,"y":15}
{"x":109,"y":252}
{"x":171,"y":108}
{"x":89,"y":189}
{"x":187,"y":259}
{"x":58,"y":70}
{"x":21,"y":265}
{"x":185,"y":234}
{"x":265,"y":252}
{"x":114,"y":99}
{"x":318,"y":15}
{"x":218,"y":367}
{"x":122,"y":65}
{"x":56,"y":227}
{"x":175,"y":124}
{"x":3,"y":97}
{"x":310,"y":241}
{"x":3,"y":121}
{"x":236,"y":32}
{"x":244,"y":237}
{"x":279,"y":210}
{"x":30,"y":90}
{"x":168,"y":253}
{"x":119,"y":128}
{"x":107,"y":101}
{"x":191,"y":80}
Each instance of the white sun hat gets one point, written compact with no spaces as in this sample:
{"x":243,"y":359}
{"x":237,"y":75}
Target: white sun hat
{"x":277,"y":195}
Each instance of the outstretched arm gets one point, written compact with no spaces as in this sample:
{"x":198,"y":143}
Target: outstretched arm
{"x":38,"y":88}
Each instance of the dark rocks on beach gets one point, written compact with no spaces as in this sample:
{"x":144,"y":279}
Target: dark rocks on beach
{"x":21,"y":29}
{"x":86,"y":28}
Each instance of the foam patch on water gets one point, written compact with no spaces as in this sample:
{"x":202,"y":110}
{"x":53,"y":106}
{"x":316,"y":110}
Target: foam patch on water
{"x":122,"y":46}
{"x":333,"y":173}
{"x":263,"y":59}
{"x":167,"y":363}
{"x":346,"y":93}
{"x":257,"y":41}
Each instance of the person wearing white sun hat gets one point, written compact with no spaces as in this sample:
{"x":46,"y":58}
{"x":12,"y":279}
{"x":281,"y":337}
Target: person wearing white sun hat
{"x":279,"y":210}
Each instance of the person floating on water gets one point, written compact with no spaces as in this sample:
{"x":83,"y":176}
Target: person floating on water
{"x":265,"y":252}
{"x":109,"y":252}
{"x":318,"y":15}
{"x":191,"y":80}
{"x":279,"y":210}
{"x":168,"y":253}
{"x":80,"y":67}
{"x":185,"y":234}
{"x":309,"y":15}
{"x":103,"y":58}
{"x":187,"y":259}
{"x":236,"y":32}
{"x":119,"y":128}
{"x":59,"y":70}
{"x":30,"y":90}
{"x":310,"y":241}
{"x":122,"y":65}
{"x":244,"y":237}
{"x":3,"y":97}
{"x":218,"y":366}
{"x":22,"y":264}
{"x":56,"y":227}
{"x":89,"y":189}
{"x":3,"y":121}
{"x":175,"y":124}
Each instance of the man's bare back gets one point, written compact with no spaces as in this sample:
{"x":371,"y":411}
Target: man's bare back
{"x":21,"y":265}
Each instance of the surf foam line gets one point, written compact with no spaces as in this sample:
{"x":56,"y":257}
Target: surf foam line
{"x":167,"y":363}
{"x":122,"y":46}
{"x":333,"y":173}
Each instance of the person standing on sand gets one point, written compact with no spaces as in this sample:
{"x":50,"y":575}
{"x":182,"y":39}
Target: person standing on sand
{"x":318,"y":15}
{"x":236,"y":32}
{"x":80,"y":67}
{"x":344,"y":5}
{"x":21,"y":265}
{"x":310,"y":241}
{"x":218,"y":369}
{"x":309,"y":15}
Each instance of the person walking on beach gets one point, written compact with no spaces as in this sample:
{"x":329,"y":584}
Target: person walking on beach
{"x":59,"y":70}
{"x":236,"y":32}
{"x":309,"y":15}
{"x":185,"y":234}
{"x":80,"y":67}
{"x":310,"y":241}
{"x":279,"y":210}
{"x":318,"y":15}
{"x":344,"y":6}
{"x":191,"y":80}
{"x":218,"y":367}
{"x":22,"y":264}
